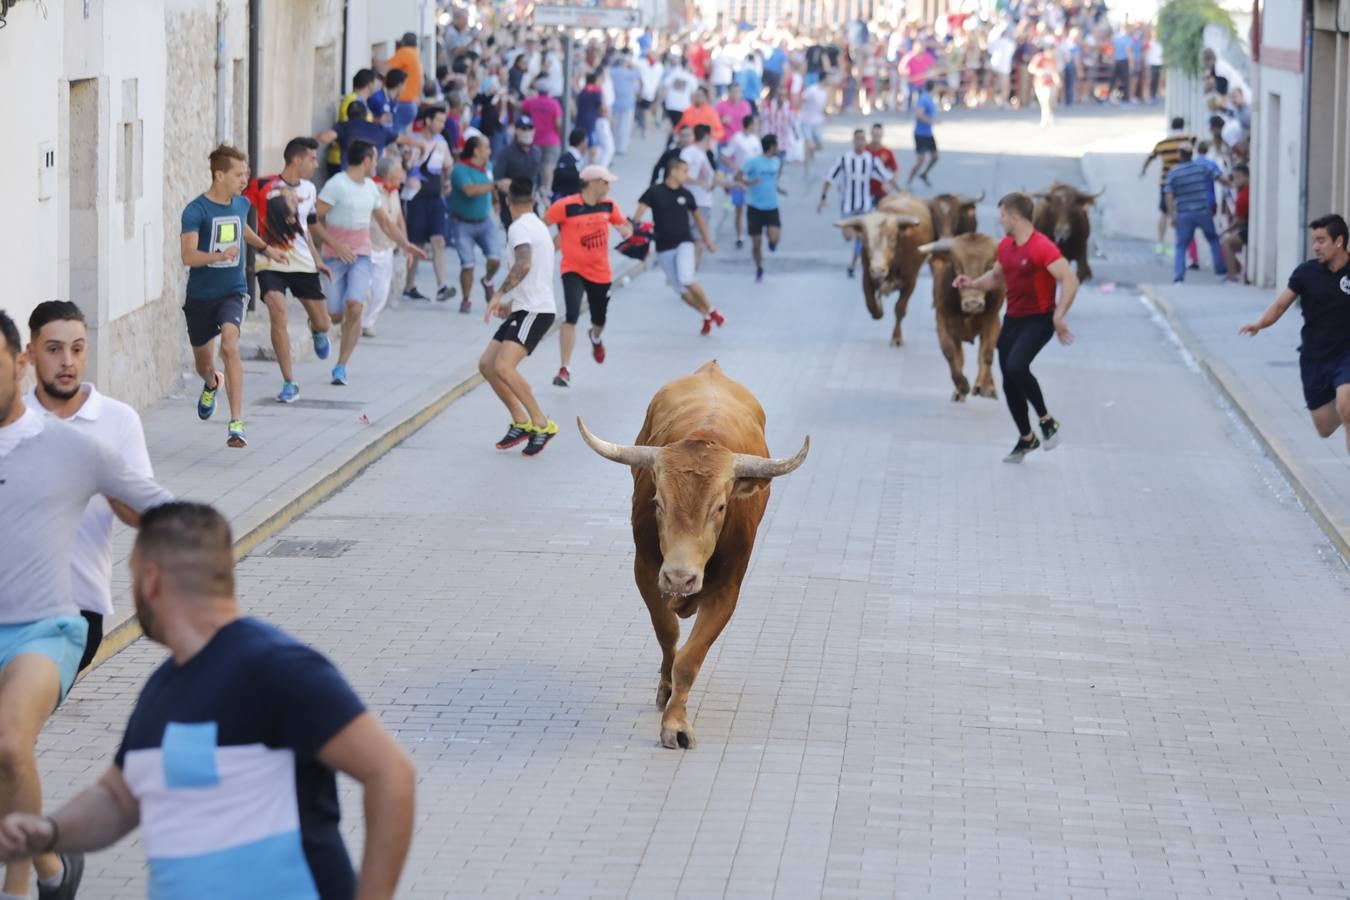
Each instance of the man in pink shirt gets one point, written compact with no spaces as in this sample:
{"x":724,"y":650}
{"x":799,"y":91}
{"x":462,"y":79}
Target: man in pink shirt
{"x":547,"y":116}
{"x":731,"y":112}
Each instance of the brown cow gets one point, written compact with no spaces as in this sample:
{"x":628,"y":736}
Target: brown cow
{"x":1062,"y":215}
{"x":891,"y":235}
{"x":700,"y":486}
{"x":964,"y":315}
{"x":954,"y":214}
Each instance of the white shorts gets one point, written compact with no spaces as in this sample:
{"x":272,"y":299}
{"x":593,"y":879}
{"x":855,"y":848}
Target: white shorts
{"x":814,"y":134}
{"x":679,"y":265}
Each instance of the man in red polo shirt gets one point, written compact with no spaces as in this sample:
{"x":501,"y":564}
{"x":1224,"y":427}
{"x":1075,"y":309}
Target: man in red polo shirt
{"x":1029,"y":265}
{"x":883,"y":156}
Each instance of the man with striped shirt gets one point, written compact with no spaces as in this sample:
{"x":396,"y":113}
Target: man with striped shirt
{"x":853,"y":175}
{"x":1188,"y":189}
{"x":1169,"y":151}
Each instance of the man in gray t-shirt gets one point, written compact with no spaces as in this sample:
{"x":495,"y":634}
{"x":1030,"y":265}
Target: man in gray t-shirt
{"x":49,"y":471}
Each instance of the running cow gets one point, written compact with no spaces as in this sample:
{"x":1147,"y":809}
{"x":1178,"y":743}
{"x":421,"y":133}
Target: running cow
{"x":701,"y":472}
{"x":953,"y":214}
{"x":1062,"y":215}
{"x":968,"y":313}
{"x":891,"y":236}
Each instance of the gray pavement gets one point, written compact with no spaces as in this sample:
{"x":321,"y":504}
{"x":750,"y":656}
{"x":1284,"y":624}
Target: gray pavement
{"x":1114,"y":671}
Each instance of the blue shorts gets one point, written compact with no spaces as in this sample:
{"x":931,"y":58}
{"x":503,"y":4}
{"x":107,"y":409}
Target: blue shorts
{"x":351,"y":281}
{"x":1321,"y":377}
{"x":484,"y":234}
{"x":737,"y":196}
{"x":61,"y":640}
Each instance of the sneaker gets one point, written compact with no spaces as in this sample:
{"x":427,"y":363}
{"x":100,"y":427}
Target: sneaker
{"x":597,"y":348}
{"x":445,"y":292}
{"x":707,"y":326}
{"x":416,"y":296}
{"x":321,"y":344}
{"x":850,"y":271}
{"x":1050,"y":431}
{"x":1194,"y":267}
{"x":1169,"y":251}
{"x":367,"y":331}
{"x":339,"y":374}
{"x":773,"y":246}
{"x":234,"y":434}
{"x":759,"y":275}
{"x":206,"y":401}
{"x":289,"y":391}
{"x":1160,"y":248}
{"x":924,"y":178}
{"x":563,"y":378}
{"x":518,"y":432}
{"x":1023,"y":447}
{"x":539,"y":438}
{"x":465,"y":305}
{"x":70,"y":879}
{"x":718,"y":319}
{"x":489,"y":290}
{"x":739,"y":243}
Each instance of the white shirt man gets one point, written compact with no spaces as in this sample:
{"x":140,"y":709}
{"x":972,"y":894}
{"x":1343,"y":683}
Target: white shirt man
{"x":680,"y":86}
{"x":701,"y":177}
{"x":650,"y":72}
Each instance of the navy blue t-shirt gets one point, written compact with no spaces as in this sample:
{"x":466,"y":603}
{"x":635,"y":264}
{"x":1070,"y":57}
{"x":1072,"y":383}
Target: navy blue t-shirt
{"x":364,"y":130}
{"x":1324,"y":296}
{"x":221,"y":754}
{"x":588,"y":109}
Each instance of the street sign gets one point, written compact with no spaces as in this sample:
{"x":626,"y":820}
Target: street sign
{"x":587,"y":16}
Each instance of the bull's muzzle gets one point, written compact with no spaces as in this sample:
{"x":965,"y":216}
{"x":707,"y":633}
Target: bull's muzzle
{"x":972,"y":304}
{"x":680,"y":581}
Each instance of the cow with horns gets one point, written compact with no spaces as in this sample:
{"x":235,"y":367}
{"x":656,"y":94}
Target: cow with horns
{"x":954,"y":214}
{"x":1062,"y":215}
{"x":891,"y":235}
{"x":701,"y":473}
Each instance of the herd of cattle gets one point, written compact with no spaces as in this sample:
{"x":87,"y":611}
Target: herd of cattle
{"x":904,"y":230}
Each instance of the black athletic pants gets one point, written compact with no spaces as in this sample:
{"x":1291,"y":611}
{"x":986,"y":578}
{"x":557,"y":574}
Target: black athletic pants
{"x":1018,"y":343}
{"x":95,"y":638}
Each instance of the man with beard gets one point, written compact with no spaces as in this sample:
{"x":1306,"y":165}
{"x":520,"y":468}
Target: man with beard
{"x":285,"y":205}
{"x":49,"y":471}
{"x":229,"y":759}
{"x":58,"y":348}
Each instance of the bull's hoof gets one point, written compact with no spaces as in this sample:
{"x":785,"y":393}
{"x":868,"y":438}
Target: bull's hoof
{"x":680,"y":738}
{"x":958,"y":396}
{"x":897,"y":340}
{"x":986,"y":390}
{"x":662,"y":696}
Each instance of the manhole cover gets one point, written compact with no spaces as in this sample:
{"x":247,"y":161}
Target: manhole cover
{"x":313,"y":404}
{"x":311,"y":549}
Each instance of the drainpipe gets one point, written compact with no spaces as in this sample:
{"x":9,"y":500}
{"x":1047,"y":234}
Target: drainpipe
{"x":1305,"y":113}
{"x":254,"y":113}
{"x":222,"y":77}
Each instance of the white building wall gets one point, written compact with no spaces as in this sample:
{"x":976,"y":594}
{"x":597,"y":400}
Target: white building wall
{"x":1276,"y":238}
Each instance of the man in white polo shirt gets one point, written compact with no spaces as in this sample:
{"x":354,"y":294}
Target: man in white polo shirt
{"x":57,"y":347}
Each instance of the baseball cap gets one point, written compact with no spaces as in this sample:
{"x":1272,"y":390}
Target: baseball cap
{"x":598,"y":173}
{"x":524,"y":121}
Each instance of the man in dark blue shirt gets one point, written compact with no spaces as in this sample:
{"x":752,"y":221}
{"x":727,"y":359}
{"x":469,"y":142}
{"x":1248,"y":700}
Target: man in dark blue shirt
{"x":359,"y":127}
{"x":1189,"y":186}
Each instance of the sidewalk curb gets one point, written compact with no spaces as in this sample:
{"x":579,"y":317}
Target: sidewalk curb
{"x":1275,"y":449}
{"x":122,"y":635}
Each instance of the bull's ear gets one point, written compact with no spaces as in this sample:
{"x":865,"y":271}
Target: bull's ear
{"x":748,"y":487}
{"x":1084,"y":202}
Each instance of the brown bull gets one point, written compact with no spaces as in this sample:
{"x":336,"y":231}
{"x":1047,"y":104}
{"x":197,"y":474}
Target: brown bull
{"x":953,"y":214}
{"x":891,"y":235}
{"x":964,"y":315}
{"x":1062,"y":215}
{"x":700,"y":486}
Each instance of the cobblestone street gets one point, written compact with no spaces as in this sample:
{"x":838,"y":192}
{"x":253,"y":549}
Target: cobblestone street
{"x":1118,"y":670}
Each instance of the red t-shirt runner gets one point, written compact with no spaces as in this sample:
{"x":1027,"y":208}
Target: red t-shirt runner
{"x":584,"y":233}
{"x":887,"y":159}
{"x":1031,"y":287}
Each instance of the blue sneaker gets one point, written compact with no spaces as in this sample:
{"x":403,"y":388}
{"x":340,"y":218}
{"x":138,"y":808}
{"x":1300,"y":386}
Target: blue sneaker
{"x":339,"y":374}
{"x":289,"y":391}
{"x":320,"y":344}
{"x":206,"y":401}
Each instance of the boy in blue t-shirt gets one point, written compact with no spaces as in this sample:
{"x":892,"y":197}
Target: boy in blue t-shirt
{"x":925,"y":145}
{"x":760,"y":176}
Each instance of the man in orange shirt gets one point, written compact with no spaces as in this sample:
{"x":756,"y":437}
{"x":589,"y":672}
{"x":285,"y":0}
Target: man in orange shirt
{"x":407,"y":59}
{"x":701,"y":112}
{"x":583,"y":221}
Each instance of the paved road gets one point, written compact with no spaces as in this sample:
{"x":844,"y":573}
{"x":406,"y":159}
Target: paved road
{"x":1115,"y":671}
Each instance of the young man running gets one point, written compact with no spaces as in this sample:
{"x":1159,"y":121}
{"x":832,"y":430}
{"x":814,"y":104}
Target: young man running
{"x":853,"y":175}
{"x":215,"y":228}
{"x":883,"y":155}
{"x":760,"y":176}
{"x":285,"y":205}
{"x":1322,"y":287}
{"x":57,"y":348}
{"x":1029,"y":265}
{"x":925,"y":145}
{"x":525,"y":301}
{"x":672,"y":207}
{"x":743,"y":147}
{"x":701,"y":177}
{"x":583,"y":221}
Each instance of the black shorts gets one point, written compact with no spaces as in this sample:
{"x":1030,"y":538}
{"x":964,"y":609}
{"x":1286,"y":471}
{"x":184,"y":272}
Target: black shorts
{"x":205,"y":318}
{"x":525,"y":328}
{"x":1321,"y":377}
{"x":644,"y":105}
{"x":427,"y":217}
{"x":673,"y":116}
{"x":924,"y":143}
{"x":302,"y":285}
{"x":756,"y":220}
{"x":1162,"y":198}
{"x":95,"y":638}
{"x":597,"y":295}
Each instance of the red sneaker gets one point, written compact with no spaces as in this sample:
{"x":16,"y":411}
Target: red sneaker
{"x":718,"y":319}
{"x":707,"y":326}
{"x":598,"y":350}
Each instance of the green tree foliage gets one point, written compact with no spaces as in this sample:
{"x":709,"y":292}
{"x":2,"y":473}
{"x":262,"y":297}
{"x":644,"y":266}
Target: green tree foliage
{"x":1181,"y":28}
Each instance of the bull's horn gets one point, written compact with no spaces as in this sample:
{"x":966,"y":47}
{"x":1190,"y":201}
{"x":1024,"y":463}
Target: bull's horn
{"x":942,"y":245}
{"x":905,"y":221}
{"x":1093,"y":196}
{"x":748,"y":466}
{"x":854,"y":222}
{"x":971,"y":201}
{"x":638,"y":457}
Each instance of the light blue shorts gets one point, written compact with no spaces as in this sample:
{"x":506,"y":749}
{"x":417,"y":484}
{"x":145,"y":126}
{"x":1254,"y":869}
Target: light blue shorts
{"x":484,"y":235}
{"x":351,"y":281}
{"x":61,"y":640}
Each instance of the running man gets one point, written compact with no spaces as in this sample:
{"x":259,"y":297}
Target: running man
{"x":925,"y":145}
{"x":215,"y":228}
{"x":51,"y":472}
{"x":1322,"y":287}
{"x":428,"y":219}
{"x":1029,"y":265}
{"x":57,"y":348}
{"x":853,"y":175}
{"x":347,"y":203}
{"x":882,"y":154}
{"x":702,"y":176}
{"x":525,"y":300}
{"x":230,"y":757}
{"x":583,"y":221}
{"x":471,"y":190}
{"x":672,"y":207}
{"x":743,"y":147}
{"x":1168,"y":152}
{"x":760,"y":176}
{"x":285,"y":205}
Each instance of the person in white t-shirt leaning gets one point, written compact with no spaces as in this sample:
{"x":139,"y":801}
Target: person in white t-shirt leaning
{"x":57,"y":346}
{"x":814,"y":100}
{"x":703,"y":177}
{"x":525,"y":300}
